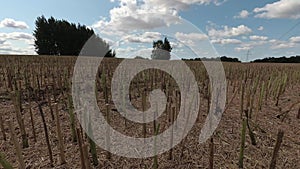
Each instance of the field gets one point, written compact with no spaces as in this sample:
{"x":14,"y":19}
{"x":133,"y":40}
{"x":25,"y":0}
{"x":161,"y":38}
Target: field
{"x":39,"y":128}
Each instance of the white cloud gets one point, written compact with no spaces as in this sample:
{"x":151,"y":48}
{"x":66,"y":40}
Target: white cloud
{"x":229,"y":31}
{"x":130,"y":52}
{"x":261,"y":28}
{"x":125,"y":50}
{"x":11,"y":23}
{"x":183,"y":4}
{"x":280,"y":9}
{"x":282,"y":46}
{"x":295,"y":39}
{"x":258,"y":38}
{"x":243,"y":48}
{"x":191,"y":38}
{"x":8,"y":48}
{"x":133,"y":15}
{"x":176,"y":45}
{"x":243,"y":14}
{"x":278,"y":44}
{"x":251,"y":44}
{"x":226,"y":41}
{"x":147,"y":37}
{"x":17,"y":36}
{"x":2,"y":41}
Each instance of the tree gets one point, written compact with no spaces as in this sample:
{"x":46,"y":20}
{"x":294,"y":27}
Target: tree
{"x":161,"y":50}
{"x":292,"y":59}
{"x":229,"y":59}
{"x":59,"y":37}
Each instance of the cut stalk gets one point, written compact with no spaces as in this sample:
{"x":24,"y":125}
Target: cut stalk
{"x":276,"y":149}
{"x":46,"y":134}
{"x":93,"y":149}
{"x":17,"y":145}
{"x":60,"y":138}
{"x":108,"y":132}
{"x":20,"y":120}
{"x":50,"y":105}
{"x":32,"y":122}
{"x":72,"y":119}
{"x":243,"y":139}
{"x":79,"y":138}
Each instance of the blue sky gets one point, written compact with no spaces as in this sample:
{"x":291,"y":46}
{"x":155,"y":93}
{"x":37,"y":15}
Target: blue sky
{"x":262,"y":28}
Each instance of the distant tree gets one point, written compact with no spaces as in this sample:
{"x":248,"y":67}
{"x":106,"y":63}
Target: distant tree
{"x":223,"y":59}
{"x":228,"y":59}
{"x":292,"y":59}
{"x":161,"y":50}
{"x":59,"y":37}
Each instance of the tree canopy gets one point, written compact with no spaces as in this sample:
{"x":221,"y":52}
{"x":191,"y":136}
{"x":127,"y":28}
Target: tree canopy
{"x":59,"y":37}
{"x":223,"y":59}
{"x":161,"y":50}
{"x":292,"y":59}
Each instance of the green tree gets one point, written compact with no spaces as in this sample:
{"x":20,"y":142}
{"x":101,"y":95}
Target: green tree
{"x":59,"y":37}
{"x":161,"y":50}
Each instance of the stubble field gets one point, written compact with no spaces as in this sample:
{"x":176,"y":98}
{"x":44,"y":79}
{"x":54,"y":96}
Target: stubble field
{"x":36,"y":98}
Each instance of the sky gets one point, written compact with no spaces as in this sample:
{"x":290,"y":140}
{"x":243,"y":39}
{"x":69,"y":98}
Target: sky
{"x":246,"y":29}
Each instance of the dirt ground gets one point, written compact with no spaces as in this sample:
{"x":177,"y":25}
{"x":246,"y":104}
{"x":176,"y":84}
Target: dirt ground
{"x":188,"y":154}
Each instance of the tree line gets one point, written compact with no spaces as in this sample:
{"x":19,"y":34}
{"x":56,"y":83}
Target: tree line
{"x":292,"y":59}
{"x":59,"y":37}
{"x":223,"y":59}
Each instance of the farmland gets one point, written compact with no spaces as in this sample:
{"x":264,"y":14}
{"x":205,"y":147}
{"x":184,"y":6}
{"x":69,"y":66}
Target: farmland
{"x":39,"y":128}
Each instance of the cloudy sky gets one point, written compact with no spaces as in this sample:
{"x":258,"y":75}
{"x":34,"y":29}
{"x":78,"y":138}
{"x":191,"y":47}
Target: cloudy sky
{"x":236,"y":28}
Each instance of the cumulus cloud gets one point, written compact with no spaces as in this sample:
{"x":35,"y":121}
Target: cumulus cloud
{"x":190,"y":39}
{"x":279,"y":9}
{"x":145,"y":15}
{"x":243,"y":14}
{"x":226,"y":41}
{"x":183,"y":4}
{"x":295,"y":39}
{"x":176,"y":45}
{"x":125,"y":50}
{"x":278,"y":44}
{"x":131,"y":15}
{"x":18,"y":36}
{"x":2,"y":41}
{"x":192,"y":36}
{"x":282,"y":46}
{"x":8,"y":48}
{"x":258,"y":38}
{"x":256,"y":42}
{"x":243,"y":48}
{"x":229,"y":31}
{"x":147,"y":37}
{"x":11,"y":23}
